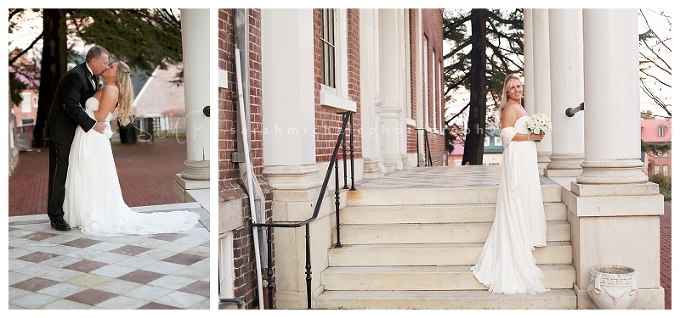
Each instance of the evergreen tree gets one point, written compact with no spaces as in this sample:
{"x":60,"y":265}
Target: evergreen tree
{"x":478,"y":62}
{"x":143,"y":38}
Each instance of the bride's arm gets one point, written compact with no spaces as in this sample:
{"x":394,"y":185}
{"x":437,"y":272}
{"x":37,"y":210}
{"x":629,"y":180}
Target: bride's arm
{"x":107,"y":102}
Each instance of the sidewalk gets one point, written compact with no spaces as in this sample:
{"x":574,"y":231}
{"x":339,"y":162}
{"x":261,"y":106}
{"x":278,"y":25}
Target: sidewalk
{"x":69,"y":270}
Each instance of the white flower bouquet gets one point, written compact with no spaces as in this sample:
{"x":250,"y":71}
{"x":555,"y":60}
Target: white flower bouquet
{"x":539,"y":124}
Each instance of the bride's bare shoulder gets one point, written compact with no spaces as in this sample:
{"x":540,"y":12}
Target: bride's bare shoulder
{"x":510,"y":114}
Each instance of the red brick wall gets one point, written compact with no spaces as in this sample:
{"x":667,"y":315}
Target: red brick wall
{"x":432,"y":26}
{"x":231,"y":186}
{"x":411,"y":141}
{"x":327,"y":121}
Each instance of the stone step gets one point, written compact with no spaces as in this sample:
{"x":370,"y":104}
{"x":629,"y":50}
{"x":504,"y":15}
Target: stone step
{"x":429,"y":196}
{"x":442,"y":213}
{"x":433,"y":254}
{"x":461,"y":299}
{"x":435,"y":233}
{"x":427,"y":278}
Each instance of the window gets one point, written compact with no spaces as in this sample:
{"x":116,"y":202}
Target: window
{"x":487,"y":141}
{"x":328,"y":45}
{"x":660,"y":131}
{"x":496,"y":141}
{"x":334,"y":80}
{"x":434,"y":92}
{"x":35,"y":102}
{"x":665,"y":170}
{"x":26,"y":103}
{"x":656,"y":169}
{"x":656,"y":155}
{"x":665,"y":155}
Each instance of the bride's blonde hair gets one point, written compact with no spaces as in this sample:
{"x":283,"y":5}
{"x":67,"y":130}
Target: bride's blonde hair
{"x":125,"y":93}
{"x":504,"y":95}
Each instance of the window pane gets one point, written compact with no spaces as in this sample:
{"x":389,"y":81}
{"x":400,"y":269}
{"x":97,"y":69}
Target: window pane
{"x":328,"y":46}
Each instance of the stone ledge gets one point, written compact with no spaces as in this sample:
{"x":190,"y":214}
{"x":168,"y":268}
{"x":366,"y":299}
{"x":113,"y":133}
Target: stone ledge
{"x":606,"y":190}
{"x":631,"y":205}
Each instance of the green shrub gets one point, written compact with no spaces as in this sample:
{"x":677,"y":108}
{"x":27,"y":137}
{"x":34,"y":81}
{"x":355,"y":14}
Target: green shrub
{"x":664,"y":183}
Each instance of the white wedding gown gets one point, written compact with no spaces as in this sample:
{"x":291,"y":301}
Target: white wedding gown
{"x":94,"y":202}
{"x":506,"y":264}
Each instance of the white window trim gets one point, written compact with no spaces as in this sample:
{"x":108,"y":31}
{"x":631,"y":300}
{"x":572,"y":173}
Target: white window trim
{"x":338,"y":97}
{"x":426,"y":84}
{"x":26,"y":102}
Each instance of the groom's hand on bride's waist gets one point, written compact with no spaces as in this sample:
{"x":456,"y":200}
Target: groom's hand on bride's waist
{"x":99,"y":127}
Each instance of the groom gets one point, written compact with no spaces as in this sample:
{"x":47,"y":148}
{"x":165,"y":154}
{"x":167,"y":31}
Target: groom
{"x":74,"y":88}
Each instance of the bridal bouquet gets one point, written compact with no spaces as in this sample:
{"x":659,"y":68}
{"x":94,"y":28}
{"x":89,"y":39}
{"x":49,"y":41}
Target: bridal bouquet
{"x":539,"y":124}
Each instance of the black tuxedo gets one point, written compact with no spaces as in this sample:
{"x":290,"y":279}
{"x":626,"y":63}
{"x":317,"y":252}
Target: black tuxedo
{"x":66,"y":114}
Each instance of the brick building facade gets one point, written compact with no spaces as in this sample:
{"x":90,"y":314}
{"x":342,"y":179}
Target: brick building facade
{"x":385,"y":66}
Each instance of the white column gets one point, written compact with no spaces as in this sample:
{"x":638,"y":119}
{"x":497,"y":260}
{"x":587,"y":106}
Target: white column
{"x":370,"y":106}
{"x":391,"y":111}
{"x":289,"y":152}
{"x":541,"y":50}
{"x":612,"y":209}
{"x":612,"y":98}
{"x":288,"y":87}
{"x":566,"y":82}
{"x":195,"y":40}
{"x":402,"y":83}
{"x":529,"y":104}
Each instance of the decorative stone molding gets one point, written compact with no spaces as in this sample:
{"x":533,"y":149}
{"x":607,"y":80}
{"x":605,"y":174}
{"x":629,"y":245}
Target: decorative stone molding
{"x":612,"y":172}
{"x":196,"y":170}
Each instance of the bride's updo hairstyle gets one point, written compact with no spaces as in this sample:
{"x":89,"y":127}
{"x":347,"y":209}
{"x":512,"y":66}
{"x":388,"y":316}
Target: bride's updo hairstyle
{"x":504,"y":96}
{"x":125,"y":93}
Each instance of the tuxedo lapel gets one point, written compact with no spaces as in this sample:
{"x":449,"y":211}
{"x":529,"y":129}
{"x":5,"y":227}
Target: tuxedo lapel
{"x":88,"y":76}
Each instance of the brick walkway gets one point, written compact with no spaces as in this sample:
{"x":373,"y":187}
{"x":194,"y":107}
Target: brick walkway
{"x":146,"y":173}
{"x":666,"y":253}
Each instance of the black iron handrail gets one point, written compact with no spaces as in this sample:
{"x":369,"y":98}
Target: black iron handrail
{"x":347,"y":117}
{"x":428,"y":154}
{"x":570,"y":112}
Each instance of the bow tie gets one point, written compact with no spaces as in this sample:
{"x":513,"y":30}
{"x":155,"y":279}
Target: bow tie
{"x":93,"y":77}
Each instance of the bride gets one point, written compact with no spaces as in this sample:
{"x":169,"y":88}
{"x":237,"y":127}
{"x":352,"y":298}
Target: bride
{"x":506,"y":264}
{"x":94,"y":202}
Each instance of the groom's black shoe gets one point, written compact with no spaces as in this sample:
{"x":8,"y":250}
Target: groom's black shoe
{"x":60,"y":225}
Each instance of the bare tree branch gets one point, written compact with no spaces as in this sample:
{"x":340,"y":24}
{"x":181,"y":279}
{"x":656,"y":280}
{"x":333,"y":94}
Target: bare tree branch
{"x":30,"y":46}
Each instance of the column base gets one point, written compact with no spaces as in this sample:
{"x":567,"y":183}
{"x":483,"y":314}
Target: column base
{"x":612,"y":172}
{"x":393,"y":162}
{"x":294,"y":182}
{"x":196,"y":169}
{"x":543,"y":160}
{"x":564,"y":166}
{"x":406,"y":162}
{"x":374,"y":168}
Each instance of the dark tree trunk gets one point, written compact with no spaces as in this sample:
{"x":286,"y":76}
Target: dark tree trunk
{"x":474,"y":141}
{"x":52,"y":68}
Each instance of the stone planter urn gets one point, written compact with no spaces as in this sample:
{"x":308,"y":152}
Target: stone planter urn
{"x":613,"y":286}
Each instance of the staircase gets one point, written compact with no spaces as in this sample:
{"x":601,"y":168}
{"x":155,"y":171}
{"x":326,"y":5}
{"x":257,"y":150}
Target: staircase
{"x":413,"y":249}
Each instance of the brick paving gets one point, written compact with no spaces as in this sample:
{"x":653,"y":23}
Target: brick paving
{"x":146,"y":172}
{"x":666,"y":253}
